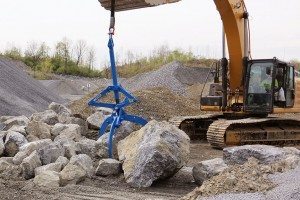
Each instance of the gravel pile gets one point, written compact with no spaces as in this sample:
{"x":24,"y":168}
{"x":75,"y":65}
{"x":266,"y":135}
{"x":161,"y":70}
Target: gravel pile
{"x":173,"y":76}
{"x":19,"y":93}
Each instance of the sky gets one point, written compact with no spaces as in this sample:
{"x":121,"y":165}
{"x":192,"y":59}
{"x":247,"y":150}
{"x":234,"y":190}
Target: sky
{"x":191,"y":25}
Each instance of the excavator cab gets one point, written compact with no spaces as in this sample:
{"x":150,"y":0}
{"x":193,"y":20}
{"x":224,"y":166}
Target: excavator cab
{"x":269,"y":84}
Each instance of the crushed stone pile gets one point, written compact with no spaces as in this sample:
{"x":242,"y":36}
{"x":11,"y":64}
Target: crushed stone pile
{"x":19,"y":93}
{"x":250,"y":178}
{"x":156,"y":103}
{"x":174,"y":76}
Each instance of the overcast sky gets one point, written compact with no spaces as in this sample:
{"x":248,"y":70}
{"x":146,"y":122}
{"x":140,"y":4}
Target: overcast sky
{"x":190,"y":25}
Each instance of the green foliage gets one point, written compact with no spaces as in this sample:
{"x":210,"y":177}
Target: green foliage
{"x":159,"y":58}
{"x":38,"y":58}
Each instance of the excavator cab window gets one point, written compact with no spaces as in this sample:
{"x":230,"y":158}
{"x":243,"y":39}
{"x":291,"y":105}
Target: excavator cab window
{"x":259,"y":87}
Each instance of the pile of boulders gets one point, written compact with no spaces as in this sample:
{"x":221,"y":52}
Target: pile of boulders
{"x":243,"y":169}
{"x":53,"y":149}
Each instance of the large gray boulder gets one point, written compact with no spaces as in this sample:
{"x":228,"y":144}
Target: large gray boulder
{"x":264,"y":153}
{"x":11,"y":121}
{"x":60,"y":109}
{"x":108,"y":167}
{"x":87,"y":146}
{"x":29,"y":164}
{"x":48,"y":179}
{"x":72,"y":174}
{"x":39,"y":129}
{"x":13,"y":142}
{"x":95,"y":120}
{"x":48,"y":116}
{"x":156,"y":151}
{"x":204,"y":170}
{"x":28,"y":148}
{"x":85,"y":162}
{"x":51,"y":152}
{"x":72,"y":132}
{"x":56,"y":167}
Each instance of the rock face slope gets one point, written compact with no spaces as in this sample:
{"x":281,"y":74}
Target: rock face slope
{"x":19,"y":93}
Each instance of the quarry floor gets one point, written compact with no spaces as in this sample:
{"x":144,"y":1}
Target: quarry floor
{"x":115,"y":188}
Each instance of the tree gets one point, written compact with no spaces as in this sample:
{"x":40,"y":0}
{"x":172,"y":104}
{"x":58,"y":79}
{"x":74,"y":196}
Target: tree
{"x":62,"y":51}
{"x":91,"y":57}
{"x":80,"y":50}
{"x":13,"y":52}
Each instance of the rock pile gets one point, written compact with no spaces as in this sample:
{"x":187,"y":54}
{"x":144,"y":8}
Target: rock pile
{"x":51,"y":148}
{"x":247,"y":170}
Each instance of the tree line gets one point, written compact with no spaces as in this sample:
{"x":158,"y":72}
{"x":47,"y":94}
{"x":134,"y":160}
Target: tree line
{"x":65,"y":58}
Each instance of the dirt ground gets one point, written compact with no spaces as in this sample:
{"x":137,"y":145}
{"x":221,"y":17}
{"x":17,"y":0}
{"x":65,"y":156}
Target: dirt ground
{"x":115,"y":188}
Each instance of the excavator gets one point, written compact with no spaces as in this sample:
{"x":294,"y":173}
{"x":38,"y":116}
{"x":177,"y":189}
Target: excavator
{"x":245,"y":106}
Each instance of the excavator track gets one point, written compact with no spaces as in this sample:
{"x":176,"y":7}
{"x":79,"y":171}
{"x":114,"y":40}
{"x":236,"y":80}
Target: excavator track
{"x":195,"y":126}
{"x":221,"y":132}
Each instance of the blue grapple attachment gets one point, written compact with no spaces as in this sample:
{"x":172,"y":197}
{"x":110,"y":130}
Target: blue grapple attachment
{"x":114,"y":121}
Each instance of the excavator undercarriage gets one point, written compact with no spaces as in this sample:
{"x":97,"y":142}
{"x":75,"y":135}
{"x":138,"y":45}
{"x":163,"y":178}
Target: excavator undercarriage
{"x":221,"y":132}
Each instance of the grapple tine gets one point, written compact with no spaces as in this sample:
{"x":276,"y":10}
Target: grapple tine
{"x":123,"y":5}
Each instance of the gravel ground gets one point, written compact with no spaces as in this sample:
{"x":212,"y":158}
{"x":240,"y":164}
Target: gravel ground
{"x":19,"y":93}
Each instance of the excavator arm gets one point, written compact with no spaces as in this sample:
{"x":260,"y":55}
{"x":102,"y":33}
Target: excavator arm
{"x":232,"y":14}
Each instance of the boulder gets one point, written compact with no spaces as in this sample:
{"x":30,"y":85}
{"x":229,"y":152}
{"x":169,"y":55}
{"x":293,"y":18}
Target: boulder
{"x":72,"y":174}
{"x":32,"y":138}
{"x":13,"y":142}
{"x":2,"y":147}
{"x":206,"y":169}
{"x":81,"y":122}
{"x":69,"y":146}
{"x":11,"y":121}
{"x":156,"y":151}
{"x":51,"y":152}
{"x":48,"y":116}
{"x":57,"y":129}
{"x":28,"y":148}
{"x":264,"y":153}
{"x":87,"y":146}
{"x":19,"y":129}
{"x":95,"y":120}
{"x":59,"y":109}
{"x":8,"y":170}
{"x":102,"y":143}
{"x":72,"y":132}
{"x":108,"y":167}
{"x":85,"y":162}
{"x":29,"y":164}
{"x":56,"y":167}
{"x":48,"y":179}
{"x":39,"y":129}
{"x":62,"y":160}
{"x":4,"y":163}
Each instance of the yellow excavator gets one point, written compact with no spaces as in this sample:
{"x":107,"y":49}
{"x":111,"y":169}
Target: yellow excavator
{"x":249,"y":92}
